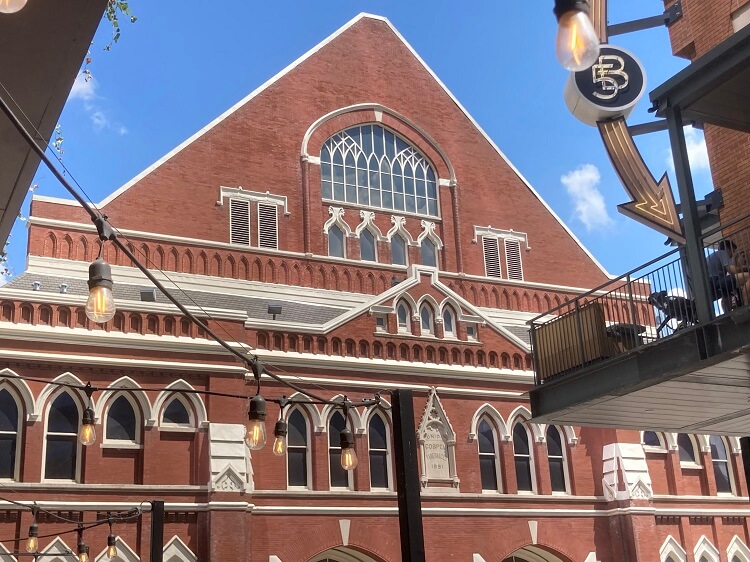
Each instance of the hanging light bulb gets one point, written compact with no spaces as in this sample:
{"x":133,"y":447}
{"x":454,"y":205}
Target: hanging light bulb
{"x":111,"y":545}
{"x":87,"y":434}
{"x":279,"y":444}
{"x":255,"y":434}
{"x":349,"y":459}
{"x":32,"y":544}
{"x":100,"y":305}
{"x":83,"y":550}
{"x":577,"y":45}
{"x":11,"y":6}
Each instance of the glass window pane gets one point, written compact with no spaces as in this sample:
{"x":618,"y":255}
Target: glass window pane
{"x":7,"y":456}
{"x":426,"y":315}
{"x":335,"y":427}
{"x":335,"y":242}
{"x":520,"y":440}
{"x":403,"y":315}
{"x":685,"y":446}
{"x":377,"y":140}
{"x":8,"y":412}
{"x":327,"y":189}
{"x":398,"y":250}
{"x":297,"y":466}
{"x":378,"y":469}
{"x":448,"y":321}
{"x":377,"y":433}
{"x":297,"y":427}
{"x":367,"y":245}
{"x":554,"y":444}
{"x":486,"y":437}
{"x":651,"y":439}
{"x":121,"y":420}
{"x":721,"y":472}
{"x":488,"y":472}
{"x":339,"y":476}
{"x":429,"y":253}
{"x":176,"y":413}
{"x":63,"y":415}
{"x":718,"y":450}
{"x":60,"y":462}
{"x":523,"y":473}
{"x":557,"y":474}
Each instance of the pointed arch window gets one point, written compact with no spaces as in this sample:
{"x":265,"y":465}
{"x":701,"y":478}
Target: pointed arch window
{"x":722,"y":467}
{"x":121,"y":421}
{"x":429,"y":253}
{"x":371,"y":166}
{"x":426,"y":319}
{"x":653,"y":441}
{"x":62,"y":448}
{"x":380,"y":464}
{"x":556,"y":456}
{"x":449,"y":321}
{"x":686,"y":448}
{"x":297,"y":456}
{"x":9,"y":434}
{"x":399,"y":255}
{"x":403,"y":313}
{"x":522,"y":458}
{"x":177,"y":414}
{"x":339,"y":478}
{"x":367,"y":246}
{"x":336,"y":246}
{"x":488,"y":461}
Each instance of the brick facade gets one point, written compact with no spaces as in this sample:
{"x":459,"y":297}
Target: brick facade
{"x":327,"y":339}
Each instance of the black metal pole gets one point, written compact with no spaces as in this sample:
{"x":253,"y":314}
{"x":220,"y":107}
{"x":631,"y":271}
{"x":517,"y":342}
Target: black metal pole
{"x":407,"y":477}
{"x":157,"y":531}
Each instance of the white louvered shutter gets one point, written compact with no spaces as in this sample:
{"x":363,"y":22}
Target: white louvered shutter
{"x":268,"y":226}
{"x":239,"y":222}
{"x":513,"y":259}
{"x":491,"y":257}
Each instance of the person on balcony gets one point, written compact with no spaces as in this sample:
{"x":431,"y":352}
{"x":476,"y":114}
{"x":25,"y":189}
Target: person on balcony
{"x":729,"y":279}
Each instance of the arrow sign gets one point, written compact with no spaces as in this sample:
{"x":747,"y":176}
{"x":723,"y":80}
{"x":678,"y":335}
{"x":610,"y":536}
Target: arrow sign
{"x":652,"y":202}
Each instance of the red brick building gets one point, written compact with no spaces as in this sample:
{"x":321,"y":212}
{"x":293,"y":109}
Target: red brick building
{"x":405,"y":251}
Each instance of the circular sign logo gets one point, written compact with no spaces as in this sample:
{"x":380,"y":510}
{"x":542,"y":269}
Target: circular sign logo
{"x":610,"y":88}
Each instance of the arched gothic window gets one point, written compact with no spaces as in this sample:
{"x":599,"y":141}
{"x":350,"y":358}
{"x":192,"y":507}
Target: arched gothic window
{"x":9,"y":436}
{"x":686,"y":447}
{"x":653,"y":440}
{"x":429,"y":253}
{"x":367,"y":246}
{"x":399,"y":255}
{"x":556,"y":456}
{"x":176,"y":413}
{"x":371,"y":166}
{"x":403,"y":313}
{"x":379,"y":443}
{"x":339,"y":476}
{"x":449,"y":321}
{"x":488,"y":461}
{"x":722,"y":467}
{"x":62,"y":449}
{"x":522,"y":457}
{"x":336,"y":246}
{"x":427,"y":320}
{"x":297,"y":455}
{"x":121,"y":424}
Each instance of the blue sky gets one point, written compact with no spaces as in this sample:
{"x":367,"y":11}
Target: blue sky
{"x":185,"y":62}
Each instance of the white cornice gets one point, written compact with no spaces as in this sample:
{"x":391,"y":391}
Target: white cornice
{"x":255,"y":196}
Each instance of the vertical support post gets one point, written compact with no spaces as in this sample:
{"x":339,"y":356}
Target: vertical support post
{"x":696,"y":262}
{"x":157,"y":531}
{"x":579,"y":331}
{"x":745,"y":449}
{"x":407,"y":477}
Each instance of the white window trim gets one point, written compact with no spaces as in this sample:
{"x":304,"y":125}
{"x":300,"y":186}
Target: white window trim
{"x":79,"y":446}
{"x":730,"y":471}
{"x":662,"y":448}
{"x":532,"y":463}
{"x":5,"y":385}
{"x":430,"y":330}
{"x":453,"y":332}
{"x":672,"y":548}
{"x":252,"y":196}
{"x":704,"y":547}
{"x":122,"y":443}
{"x":407,"y":328}
{"x":388,"y":452}
{"x":475,"y":337}
{"x":178,"y":427}
{"x":564,"y":448}
{"x":349,"y":473}
{"x":496,"y":442}
{"x":489,"y":232}
{"x":308,"y":449}
{"x":696,"y":453}
{"x":739,"y":549}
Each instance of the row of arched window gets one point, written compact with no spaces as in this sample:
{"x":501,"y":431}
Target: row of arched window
{"x":704,"y":551}
{"x":61,"y":410}
{"x":687,"y":447}
{"x":368,"y":247}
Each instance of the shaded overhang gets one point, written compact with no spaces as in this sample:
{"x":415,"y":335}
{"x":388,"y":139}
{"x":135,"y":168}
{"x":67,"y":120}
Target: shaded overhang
{"x":715,"y":88}
{"x":42,"y":48}
{"x":696,"y":381}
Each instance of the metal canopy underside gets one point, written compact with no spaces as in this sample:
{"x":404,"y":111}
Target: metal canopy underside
{"x":715,"y":88}
{"x":694,"y":382}
{"x":41,"y":51}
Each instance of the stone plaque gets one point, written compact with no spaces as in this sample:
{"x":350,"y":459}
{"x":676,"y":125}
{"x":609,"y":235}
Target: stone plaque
{"x":436,"y":454}
{"x":437,"y":443}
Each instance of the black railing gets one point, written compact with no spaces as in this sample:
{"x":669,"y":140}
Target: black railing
{"x":646,"y":304}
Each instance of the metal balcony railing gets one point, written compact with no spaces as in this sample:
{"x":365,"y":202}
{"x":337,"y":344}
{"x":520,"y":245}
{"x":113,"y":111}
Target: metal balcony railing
{"x":649,"y":303}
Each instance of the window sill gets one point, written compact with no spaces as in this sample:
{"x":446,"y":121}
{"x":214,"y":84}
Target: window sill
{"x":560,"y":494}
{"x":526,"y":493}
{"x":177,"y":429}
{"x":659,"y":450}
{"x":121,"y":445}
{"x":691,"y":465}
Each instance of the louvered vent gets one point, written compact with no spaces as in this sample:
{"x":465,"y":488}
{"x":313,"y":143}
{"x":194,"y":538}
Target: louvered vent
{"x":239,"y":222}
{"x":513,"y":259}
{"x":268,"y":227}
{"x":491,"y":257}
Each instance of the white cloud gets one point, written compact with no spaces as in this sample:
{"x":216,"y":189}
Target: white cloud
{"x":83,"y":90}
{"x":582,"y":186}
{"x":696,"y":148}
{"x":99,"y":120}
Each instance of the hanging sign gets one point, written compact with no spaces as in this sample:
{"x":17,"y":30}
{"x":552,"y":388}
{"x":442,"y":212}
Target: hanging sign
{"x":610,"y":88}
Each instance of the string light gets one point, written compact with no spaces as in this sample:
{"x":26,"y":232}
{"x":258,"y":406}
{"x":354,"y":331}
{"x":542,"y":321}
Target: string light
{"x":87,"y":434}
{"x":279,"y":444}
{"x":577,"y":44}
{"x":83,"y":550}
{"x":255,"y":435}
{"x":100,"y":306}
{"x":111,"y":543}
{"x":349,"y":459}
{"x":32,"y":543}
